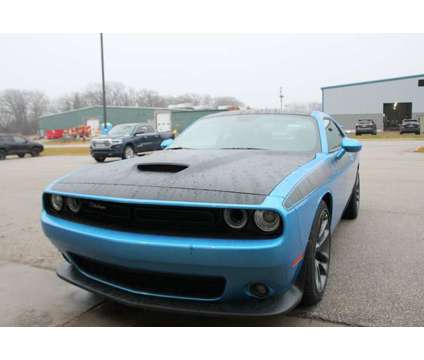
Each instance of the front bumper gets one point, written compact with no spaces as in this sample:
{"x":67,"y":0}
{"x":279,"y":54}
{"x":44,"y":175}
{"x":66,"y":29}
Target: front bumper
{"x":240,"y":262}
{"x":410,"y":129}
{"x":272,"y":306}
{"x":114,"y":151}
{"x":365,"y":130}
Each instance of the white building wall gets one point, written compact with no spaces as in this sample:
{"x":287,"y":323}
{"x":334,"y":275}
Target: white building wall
{"x":369,"y":98}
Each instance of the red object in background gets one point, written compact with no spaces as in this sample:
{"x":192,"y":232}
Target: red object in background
{"x":54,"y":134}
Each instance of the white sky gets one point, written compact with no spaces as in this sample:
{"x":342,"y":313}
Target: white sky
{"x":249,"y":67}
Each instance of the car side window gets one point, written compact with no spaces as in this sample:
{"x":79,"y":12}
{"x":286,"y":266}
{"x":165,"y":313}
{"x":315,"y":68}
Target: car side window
{"x":148,"y":129}
{"x":19,"y":140}
{"x":334,"y":135}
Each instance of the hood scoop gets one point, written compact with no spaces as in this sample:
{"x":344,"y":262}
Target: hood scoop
{"x":162,"y":167}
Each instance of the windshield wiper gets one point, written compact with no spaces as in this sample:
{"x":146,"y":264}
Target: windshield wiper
{"x":241,"y":148}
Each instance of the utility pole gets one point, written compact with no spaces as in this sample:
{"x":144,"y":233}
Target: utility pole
{"x":281,"y":98}
{"x":103,"y":82}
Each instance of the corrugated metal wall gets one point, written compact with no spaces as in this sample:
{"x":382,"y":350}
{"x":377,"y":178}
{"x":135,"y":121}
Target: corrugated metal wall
{"x":183,"y":119}
{"x":115,"y":115}
{"x":119,"y":115}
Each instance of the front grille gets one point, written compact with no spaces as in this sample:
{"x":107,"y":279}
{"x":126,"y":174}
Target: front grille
{"x":154,"y":219}
{"x":177,"y":285}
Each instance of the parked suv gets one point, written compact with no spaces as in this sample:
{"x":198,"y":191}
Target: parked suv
{"x":18,"y":145}
{"x":365,"y":126}
{"x":127,"y":140}
{"x":410,"y":126}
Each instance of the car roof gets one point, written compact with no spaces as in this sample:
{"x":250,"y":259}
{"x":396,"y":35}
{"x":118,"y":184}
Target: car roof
{"x":253,"y":112}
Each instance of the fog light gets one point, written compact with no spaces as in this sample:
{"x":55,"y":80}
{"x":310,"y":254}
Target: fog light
{"x":57,"y":202}
{"x":73,"y":204}
{"x":259,"y":290}
{"x":235,"y":218}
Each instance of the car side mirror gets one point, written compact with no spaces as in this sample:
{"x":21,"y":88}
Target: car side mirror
{"x":351,"y":145}
{"x":166,"y":143}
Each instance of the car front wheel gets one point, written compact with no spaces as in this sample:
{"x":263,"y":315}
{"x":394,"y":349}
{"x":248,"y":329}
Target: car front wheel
{"x":35,"y":152}
{"x":2,"y":154}
{"x":317,"y":257}
{"x":128,"y":152}
{"x":99,"y":159}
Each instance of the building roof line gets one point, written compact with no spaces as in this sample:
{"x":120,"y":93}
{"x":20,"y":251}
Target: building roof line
{"x":125,"y":107}
{"x":373,"y":81}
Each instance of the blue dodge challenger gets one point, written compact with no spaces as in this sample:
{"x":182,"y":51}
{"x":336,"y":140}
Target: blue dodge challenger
{"x":234,"y":217}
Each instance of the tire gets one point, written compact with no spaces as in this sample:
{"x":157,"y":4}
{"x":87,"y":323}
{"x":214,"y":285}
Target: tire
{"x":35,"y":152}
{"x":21,"y":155}
{"x":401,"y":133}
{"x":2,"y":155}
{"x":100,"y":159}
{"x":352,"y":209}
{"x":374,"y":133}
{"x":128,"y":152}
{"x":317,"y":257}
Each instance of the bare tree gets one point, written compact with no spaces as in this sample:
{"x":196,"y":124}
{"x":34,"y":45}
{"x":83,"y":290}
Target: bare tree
{"x":227,"y":100}
{"x":21,"y":109}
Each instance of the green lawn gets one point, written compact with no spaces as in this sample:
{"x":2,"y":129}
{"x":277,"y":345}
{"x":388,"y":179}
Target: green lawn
{"x":388,"y":135}
{"x":63,"y":151}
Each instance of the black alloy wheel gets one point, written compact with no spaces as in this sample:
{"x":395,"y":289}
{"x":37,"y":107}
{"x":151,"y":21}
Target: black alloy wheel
{"x":317,"y":257}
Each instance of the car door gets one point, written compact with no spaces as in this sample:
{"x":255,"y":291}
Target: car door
{"x":140,"y":140}
{"x":154,"y":138}
{"x":341,"y":164}
{"x":18,"y":145}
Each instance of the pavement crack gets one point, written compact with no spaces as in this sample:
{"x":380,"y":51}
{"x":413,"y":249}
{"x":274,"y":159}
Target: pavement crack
{"x":91,"y":308}
{"x":322,"y":319}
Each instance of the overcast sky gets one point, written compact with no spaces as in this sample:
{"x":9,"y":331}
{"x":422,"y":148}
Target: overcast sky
{"x":249,"y":67}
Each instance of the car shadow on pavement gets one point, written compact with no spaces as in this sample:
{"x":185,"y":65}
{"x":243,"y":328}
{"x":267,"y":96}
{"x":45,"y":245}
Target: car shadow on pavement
{"x":113,"y":314}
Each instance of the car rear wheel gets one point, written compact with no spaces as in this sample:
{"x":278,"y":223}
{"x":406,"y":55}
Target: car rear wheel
{"x":21,"y":155}
{"x":317,"y":257}
{"x":2,"y":154}
{"x":99,"y":159}
{"x":128,"y":152}
{"x":352,"y":208}
{"x":35,"y":152}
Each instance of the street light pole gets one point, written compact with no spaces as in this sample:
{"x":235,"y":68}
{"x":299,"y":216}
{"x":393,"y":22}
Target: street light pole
{"x":281,"y":98}
{"x":103,"y":83}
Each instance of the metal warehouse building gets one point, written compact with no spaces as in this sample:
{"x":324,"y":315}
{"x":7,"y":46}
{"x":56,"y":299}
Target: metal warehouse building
{"x":176,"y":119}
{"x":386,"y":101}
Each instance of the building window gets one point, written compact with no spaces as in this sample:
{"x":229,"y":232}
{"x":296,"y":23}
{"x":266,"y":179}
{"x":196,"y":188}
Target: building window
{"x":421,"y":82}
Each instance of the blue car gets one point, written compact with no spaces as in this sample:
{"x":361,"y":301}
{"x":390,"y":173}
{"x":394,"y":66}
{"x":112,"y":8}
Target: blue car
{"x":234,"y":217}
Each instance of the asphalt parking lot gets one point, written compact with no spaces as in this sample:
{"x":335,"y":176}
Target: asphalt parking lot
{"x":377,"y":260}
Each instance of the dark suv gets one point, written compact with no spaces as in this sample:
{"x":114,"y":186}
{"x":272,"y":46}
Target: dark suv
{"x":18,"y":145}
{"x":365,"y":126}
{"x":410,"y":126}
{"x":126,"y":141}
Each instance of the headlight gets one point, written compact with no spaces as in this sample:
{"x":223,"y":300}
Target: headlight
{"x":73,"y":204}
{"x":267,"y":221}
{"x":117,"y":141}
{"x":235,"y":218}
{"x":56,"y":202}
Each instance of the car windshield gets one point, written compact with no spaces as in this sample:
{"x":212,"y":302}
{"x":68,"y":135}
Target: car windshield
{"x":365,"y":121}
{"x":121,"y":130}
{"x":280,"y":132}
{"x":410,"y":120}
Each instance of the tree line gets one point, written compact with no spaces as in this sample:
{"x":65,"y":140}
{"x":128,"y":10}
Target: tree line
{"x":21,"y":109}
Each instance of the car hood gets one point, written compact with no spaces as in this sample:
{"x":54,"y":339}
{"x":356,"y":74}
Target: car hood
{"x":189,"y":175}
